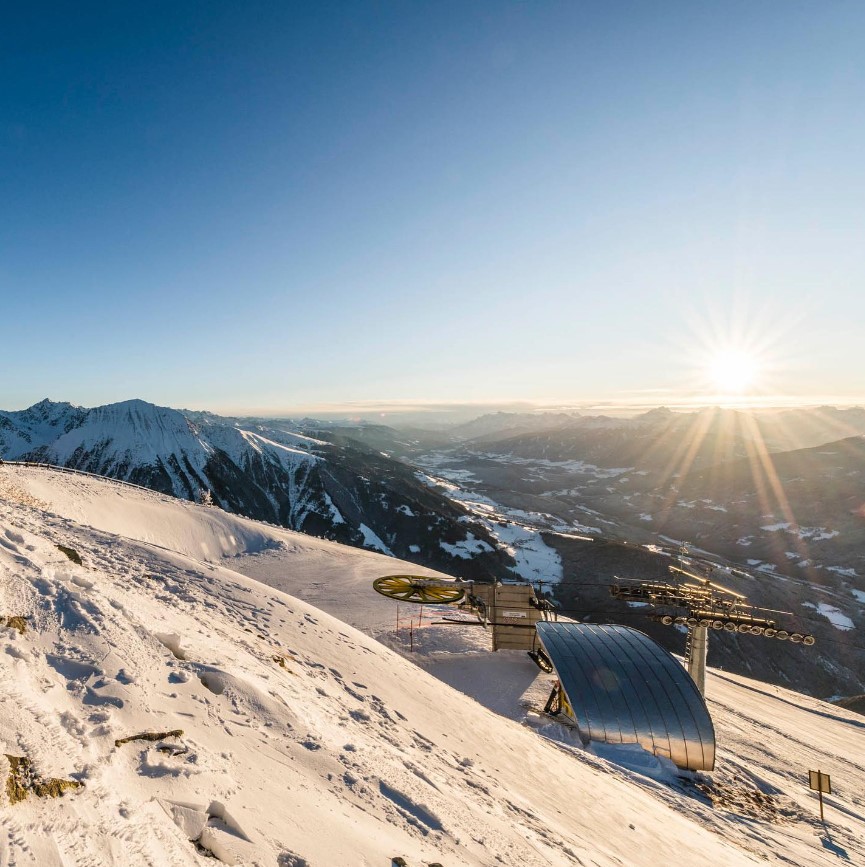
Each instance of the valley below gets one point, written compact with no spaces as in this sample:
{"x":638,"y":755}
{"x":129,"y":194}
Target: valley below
{"x":599,"y":524}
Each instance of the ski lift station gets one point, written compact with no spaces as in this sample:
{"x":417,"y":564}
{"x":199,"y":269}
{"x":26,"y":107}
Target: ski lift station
{"x":614,"y":684}
{"x":619,"y":686}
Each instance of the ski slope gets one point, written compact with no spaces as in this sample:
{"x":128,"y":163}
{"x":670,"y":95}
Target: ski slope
{"x":306,"y":741}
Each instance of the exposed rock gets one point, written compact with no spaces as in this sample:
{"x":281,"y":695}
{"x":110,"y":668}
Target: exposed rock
{"x":23,"y":780}
{"x":150,"y":736}
{"x":14,"y":622}
{"x":71,"y":553}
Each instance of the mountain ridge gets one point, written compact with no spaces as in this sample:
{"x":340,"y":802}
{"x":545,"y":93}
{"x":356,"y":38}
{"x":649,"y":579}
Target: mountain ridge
{"x":270,"y":472}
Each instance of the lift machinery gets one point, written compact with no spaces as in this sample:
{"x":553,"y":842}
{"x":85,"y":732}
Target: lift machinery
{"x":700,"y":605}
{"x":510,"y":610}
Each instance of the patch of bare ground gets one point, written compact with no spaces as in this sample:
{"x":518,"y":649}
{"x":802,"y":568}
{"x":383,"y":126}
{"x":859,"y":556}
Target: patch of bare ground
{"x":23,"y":780}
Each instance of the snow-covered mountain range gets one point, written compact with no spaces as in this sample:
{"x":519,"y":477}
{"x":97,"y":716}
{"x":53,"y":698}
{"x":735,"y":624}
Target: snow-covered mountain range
{"x":271,"y":472}
{"x":479,"y":510}
{"x":282,"y":736}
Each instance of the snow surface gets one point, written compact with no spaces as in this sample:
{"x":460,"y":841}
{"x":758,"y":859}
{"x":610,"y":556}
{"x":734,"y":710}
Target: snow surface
{"x":467,"y":548}
{"x":517,"y":531}
{"x":372,"y":540}
{"x":307,"y":743}
{"x":846,"y":572}
{"x":834,"y":615}
{"x":813,"y":534}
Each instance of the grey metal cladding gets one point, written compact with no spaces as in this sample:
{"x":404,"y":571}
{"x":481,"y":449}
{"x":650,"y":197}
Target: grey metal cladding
{"x":625,"y":688}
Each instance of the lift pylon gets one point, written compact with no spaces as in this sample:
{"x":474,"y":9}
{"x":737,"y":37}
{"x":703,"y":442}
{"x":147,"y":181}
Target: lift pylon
{"x":700,"y":604}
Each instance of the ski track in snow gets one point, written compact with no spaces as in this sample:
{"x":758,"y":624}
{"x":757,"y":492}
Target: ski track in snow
{"x":307,"y":742}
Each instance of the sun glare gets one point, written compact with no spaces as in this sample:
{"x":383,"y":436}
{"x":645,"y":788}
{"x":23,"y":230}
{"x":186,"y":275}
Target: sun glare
{"x":737,"y":356}
{"x":733,"y":371}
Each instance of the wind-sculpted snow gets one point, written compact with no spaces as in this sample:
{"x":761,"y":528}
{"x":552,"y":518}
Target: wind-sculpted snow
{"x":204,"y":534}
{"x":207,"y":713}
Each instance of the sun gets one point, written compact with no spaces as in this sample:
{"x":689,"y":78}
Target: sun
{"x":733,"y":371}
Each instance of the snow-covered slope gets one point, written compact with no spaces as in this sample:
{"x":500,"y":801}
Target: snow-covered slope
{"x":328,"y":575}
{"x":270,"y":472}
{"x":307,"y":742}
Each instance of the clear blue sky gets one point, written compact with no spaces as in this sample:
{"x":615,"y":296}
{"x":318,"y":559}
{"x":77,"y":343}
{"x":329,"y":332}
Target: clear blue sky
{"x":263,"y":206}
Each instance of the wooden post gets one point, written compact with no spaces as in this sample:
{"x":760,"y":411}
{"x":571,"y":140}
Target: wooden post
{"x":820,"y":782}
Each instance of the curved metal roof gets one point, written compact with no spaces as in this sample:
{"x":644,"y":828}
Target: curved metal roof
{"x":625,"y":688}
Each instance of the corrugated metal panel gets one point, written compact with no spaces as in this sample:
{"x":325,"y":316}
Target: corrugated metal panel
{"x":625,"y":688}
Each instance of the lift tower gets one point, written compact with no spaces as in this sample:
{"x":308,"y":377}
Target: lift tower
{"x":699,"y":604}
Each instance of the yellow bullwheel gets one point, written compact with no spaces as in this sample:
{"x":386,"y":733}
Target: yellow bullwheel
{"x":413,"y":588}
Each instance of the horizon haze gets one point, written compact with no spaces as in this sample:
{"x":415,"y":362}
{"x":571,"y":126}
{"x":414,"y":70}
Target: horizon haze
{"x":415,"y":412}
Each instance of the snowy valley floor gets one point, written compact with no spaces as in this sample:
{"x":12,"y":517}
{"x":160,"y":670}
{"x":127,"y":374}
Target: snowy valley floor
{"x":311,"y":736}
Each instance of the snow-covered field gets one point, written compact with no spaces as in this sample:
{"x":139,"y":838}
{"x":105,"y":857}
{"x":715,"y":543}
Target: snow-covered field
{"x":306,"y":741}
{"x":517,"y":531}
{"x":834,"y":615}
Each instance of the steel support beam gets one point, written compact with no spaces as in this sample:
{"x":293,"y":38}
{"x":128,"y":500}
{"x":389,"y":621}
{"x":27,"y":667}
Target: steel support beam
{"x":698,"y":641}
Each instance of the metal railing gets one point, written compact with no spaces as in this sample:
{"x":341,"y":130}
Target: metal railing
{"x":46,"y":466}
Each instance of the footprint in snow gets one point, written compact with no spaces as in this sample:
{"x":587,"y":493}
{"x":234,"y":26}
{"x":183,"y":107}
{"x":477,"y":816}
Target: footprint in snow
{"x":353,"y":693}
{"x":416,"y":814}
